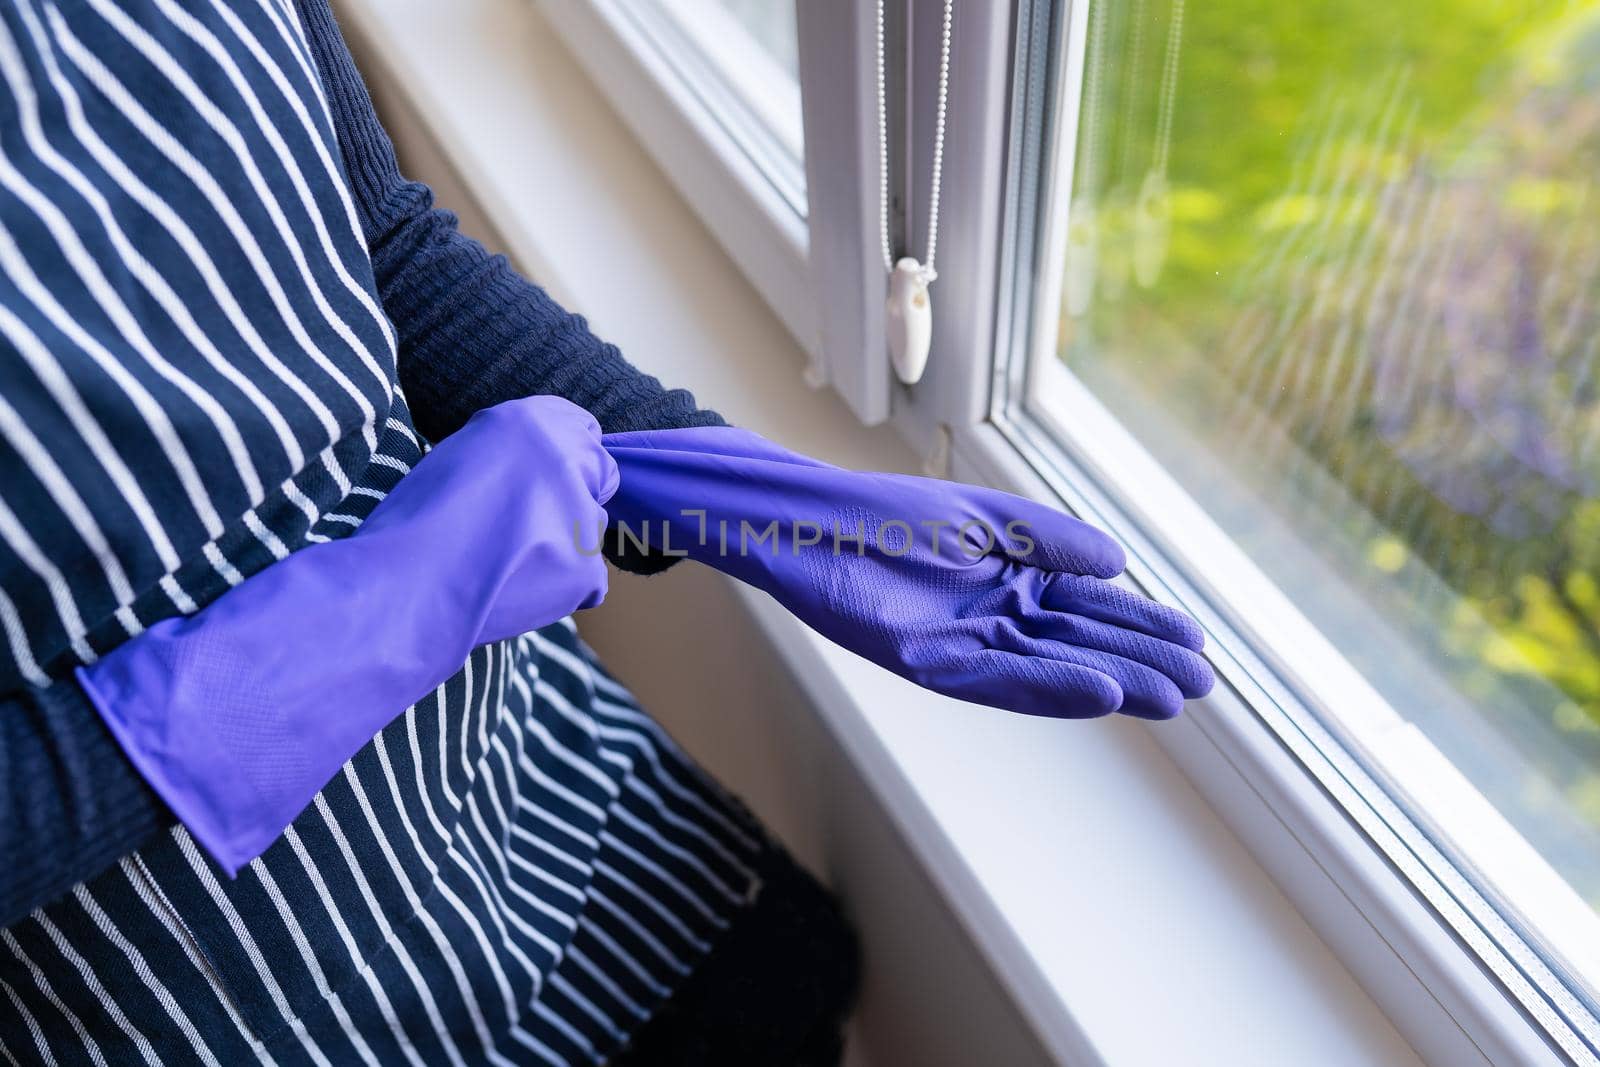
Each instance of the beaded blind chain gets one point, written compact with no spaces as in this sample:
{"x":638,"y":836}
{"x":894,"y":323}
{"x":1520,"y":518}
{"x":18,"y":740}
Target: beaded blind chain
{"x":909,"y":310}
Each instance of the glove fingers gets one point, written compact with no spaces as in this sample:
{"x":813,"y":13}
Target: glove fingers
{"x":1146,"y":692}
{"x":1059,"y":542}
{"x":1186,"y":668}
{"x":1031,"y":685}
{"x":1096,"y":599}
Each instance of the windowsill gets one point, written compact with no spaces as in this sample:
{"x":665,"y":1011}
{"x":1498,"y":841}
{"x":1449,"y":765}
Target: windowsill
{"x":1102,"y":889}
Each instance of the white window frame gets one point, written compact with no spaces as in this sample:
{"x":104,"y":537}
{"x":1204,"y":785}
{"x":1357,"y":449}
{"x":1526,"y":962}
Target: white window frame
{"x":626,"y":47}
{"x":1304,"y":812}
{"x":1266,"y":762}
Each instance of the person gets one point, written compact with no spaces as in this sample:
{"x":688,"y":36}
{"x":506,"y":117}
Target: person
{"x":301,"y":758}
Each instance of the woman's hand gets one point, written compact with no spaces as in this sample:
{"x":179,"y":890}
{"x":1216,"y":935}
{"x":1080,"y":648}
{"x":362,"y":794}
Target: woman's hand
{"x":971,"y":592}
{"x":498,"y":520}
{"x":239,"y":714}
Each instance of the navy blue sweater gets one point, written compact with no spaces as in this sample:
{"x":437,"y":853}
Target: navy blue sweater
{"x":472,"y":333}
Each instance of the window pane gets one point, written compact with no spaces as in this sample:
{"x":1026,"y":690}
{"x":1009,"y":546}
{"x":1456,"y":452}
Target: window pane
{"x":742,"y":59}
{"x":771,"y":24}
{"x":1337,"y":265}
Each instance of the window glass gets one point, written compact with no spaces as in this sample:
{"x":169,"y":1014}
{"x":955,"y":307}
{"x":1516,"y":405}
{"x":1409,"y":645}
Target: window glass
{"x":742,"y":58}
{"x":771,"y":23}
{"x":1336,"y":264}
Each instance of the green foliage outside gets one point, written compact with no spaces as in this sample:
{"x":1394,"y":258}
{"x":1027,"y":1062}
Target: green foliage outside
{"x":1367,"y":254}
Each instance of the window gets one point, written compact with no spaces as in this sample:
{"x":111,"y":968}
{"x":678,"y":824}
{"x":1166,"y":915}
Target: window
{"x":742,"y":56}
{"x":711,"y":88}
{"x":1303,"y":302}
{"x":771,"y":24}
{"x":1331,"y":270}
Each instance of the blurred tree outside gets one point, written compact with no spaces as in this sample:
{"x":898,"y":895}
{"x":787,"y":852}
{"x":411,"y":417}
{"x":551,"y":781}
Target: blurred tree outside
{"x":1353,"y":247}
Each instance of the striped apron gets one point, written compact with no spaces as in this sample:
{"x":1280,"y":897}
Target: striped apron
{"x":196,"y":380}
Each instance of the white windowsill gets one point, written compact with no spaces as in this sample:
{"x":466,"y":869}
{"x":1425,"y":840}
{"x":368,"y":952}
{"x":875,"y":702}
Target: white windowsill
{"x":1130,"y":925}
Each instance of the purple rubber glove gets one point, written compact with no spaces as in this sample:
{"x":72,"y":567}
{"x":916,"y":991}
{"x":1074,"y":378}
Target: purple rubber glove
{"x":239,"y":714}
{"x":971,"y":592}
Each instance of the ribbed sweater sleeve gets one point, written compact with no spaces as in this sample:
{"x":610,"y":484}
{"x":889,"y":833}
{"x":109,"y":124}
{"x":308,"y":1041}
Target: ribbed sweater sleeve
{"x":472,"y":331}
{"x":70,"y":802}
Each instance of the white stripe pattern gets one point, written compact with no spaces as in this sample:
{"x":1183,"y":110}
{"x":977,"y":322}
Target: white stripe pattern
{"x":522,"y":866}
